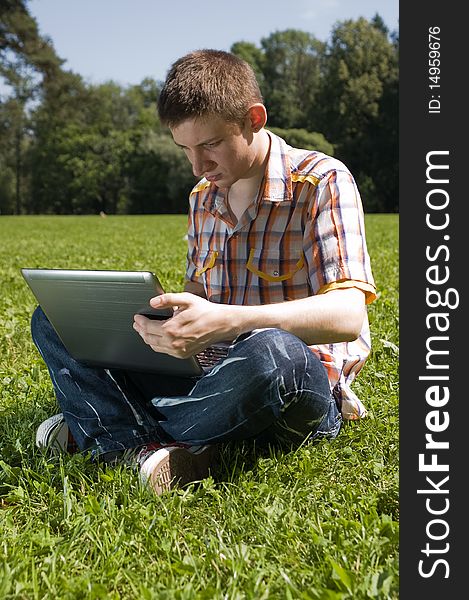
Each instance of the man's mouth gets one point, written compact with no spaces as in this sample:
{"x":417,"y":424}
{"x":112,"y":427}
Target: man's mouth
{"x":213,"y":177}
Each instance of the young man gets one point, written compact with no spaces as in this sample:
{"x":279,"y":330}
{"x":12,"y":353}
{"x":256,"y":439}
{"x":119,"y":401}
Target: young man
{"x":277,"y":264}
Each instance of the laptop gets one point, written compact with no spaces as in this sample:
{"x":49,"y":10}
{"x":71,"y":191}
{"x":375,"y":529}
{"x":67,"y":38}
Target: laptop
{"x":92,"y":313}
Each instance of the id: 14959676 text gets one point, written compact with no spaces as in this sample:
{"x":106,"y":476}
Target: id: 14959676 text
{"x":434,"y":61}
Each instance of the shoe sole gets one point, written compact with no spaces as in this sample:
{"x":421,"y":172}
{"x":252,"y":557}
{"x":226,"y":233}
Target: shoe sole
{"x":53,"y":434}
{"x":175,"y":467}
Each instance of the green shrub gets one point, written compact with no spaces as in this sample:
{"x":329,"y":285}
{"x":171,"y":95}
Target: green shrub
{"x":301,"y":138}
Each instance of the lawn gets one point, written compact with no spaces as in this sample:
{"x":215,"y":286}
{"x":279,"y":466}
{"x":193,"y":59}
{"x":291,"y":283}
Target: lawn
{"x":320,"y":522}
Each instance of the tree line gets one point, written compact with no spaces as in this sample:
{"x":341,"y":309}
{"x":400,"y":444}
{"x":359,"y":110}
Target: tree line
{"x":70,"y":147}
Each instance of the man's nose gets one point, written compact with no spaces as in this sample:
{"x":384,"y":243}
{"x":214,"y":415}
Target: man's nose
{"x":200,"y":164}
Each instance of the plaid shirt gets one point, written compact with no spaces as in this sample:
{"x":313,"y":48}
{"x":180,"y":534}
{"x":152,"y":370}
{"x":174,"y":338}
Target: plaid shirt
{"x":303,"y":235}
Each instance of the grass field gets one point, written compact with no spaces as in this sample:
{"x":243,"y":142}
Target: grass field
{"x":319,"y":523}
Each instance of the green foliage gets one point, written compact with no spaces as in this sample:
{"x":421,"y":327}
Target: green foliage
{"x":318,"y":522}
{"x":7,"y":187}
{"x":27,"y":61}
{"x":107,"y":153}
{"x":22,"y":50}
{"x":358,"y":107}
{"x":346,"y":89}
{"x":254,"y":56}
{"x":301,"y":138}
{"x":160,"y":176}
{"x":292,"y":76}
{"x":79,"y":160}
{"x":82,"y":148}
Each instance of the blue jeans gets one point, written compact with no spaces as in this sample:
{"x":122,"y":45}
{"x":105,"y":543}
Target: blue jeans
{"x":270,"y":388}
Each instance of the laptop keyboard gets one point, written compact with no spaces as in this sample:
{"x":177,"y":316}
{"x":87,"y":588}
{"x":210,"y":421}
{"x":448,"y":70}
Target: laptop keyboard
{"x":211,"y":355}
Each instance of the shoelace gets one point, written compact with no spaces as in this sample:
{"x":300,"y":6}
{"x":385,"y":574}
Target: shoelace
{"x":137,"y":456}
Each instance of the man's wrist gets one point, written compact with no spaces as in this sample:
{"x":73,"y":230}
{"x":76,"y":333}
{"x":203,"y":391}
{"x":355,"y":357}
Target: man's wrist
{"x":243,"y":318}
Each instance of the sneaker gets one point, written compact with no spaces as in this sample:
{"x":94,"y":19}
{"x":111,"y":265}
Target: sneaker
{"x":163,"y":468}
{"x":53,"y":434}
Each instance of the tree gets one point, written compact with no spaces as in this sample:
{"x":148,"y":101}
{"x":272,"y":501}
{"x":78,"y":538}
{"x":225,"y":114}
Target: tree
{"x":85,"y":139}
{"x":21,"y":44}
{"x":254,"y":57}
{"x":358,"y":107}
{"x":291,"y":70}
{"x":11,"y":168}
{"x":25,"y":56}
{"x":67,"y":146}
{"x":287,"y":68}
{"x":300,"y":138}
{"x":160,"y":176}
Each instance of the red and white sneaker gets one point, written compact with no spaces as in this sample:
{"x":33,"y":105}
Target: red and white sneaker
{"x":164,"y":467}
{"x":54,"y":435}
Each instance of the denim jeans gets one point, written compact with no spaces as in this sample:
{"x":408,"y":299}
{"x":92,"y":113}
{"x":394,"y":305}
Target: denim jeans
{"x":270,"y":388}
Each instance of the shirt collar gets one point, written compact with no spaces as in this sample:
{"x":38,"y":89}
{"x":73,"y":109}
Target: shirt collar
{"x":277,"y":178}
{"x":214,"y":196}
{"x":276,"y":184}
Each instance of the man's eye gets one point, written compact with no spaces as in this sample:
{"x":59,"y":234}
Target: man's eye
{"x":212,"y":144}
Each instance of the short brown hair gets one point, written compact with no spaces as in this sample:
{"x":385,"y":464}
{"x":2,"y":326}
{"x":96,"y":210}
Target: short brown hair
{"x":208,"y":82}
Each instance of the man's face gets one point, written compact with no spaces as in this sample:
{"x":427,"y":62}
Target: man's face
{"x":220,"y":151}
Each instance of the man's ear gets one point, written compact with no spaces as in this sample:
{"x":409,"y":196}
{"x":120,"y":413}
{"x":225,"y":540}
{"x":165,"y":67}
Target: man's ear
{"x":257,"y":115}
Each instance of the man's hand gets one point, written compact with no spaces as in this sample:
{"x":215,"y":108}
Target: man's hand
{"x":195,"y":325}
{"x":336,"y":316}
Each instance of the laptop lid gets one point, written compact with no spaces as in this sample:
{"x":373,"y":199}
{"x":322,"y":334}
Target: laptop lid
{"x":92,"y":313}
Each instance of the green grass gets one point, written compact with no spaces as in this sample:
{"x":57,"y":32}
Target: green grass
{"x":320,"y":522}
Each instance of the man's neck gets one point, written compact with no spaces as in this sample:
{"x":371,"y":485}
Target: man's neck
{"x":244,"y":191}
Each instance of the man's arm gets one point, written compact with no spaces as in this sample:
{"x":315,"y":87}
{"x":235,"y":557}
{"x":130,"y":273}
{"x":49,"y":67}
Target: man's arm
{"x":336,"y":316}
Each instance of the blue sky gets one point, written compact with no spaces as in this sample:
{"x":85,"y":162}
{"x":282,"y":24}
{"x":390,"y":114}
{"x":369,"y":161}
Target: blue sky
{"x":128,"y":40}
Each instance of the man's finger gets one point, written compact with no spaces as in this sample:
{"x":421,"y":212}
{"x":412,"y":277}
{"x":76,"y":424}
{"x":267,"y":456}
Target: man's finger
{"x":150,"y":338}
{"x":180,"y":300}
{"x":141,"y":323}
